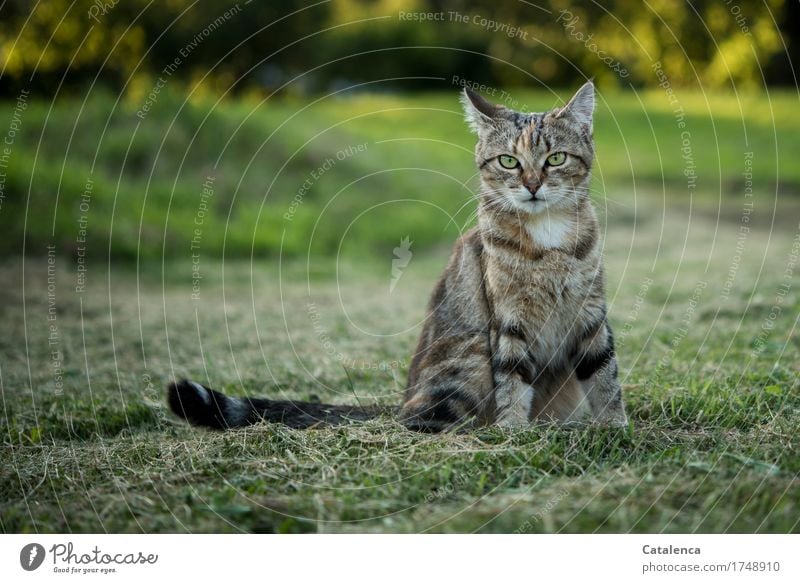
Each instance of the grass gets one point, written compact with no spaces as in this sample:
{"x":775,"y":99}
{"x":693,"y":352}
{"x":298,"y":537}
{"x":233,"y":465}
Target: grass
{"x":705,"y":314}
{"x":709,"y":360}
{"x":414,"y":167}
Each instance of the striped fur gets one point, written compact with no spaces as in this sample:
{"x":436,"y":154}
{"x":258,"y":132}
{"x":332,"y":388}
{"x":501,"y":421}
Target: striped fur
{"x":516,"y":327}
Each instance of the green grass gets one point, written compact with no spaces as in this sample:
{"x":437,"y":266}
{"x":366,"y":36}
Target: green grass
{"x":714,"y":400}
{"x":416,"y":167}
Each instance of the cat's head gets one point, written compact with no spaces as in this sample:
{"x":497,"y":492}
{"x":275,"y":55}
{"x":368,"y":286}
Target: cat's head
{"x":533,"y":162}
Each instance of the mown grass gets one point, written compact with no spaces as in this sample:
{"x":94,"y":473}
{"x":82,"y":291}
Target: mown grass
{"x":710,"y":376}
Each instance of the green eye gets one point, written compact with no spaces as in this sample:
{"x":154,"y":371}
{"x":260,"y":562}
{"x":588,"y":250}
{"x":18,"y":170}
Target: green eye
{"x":556,"y":159}
{"x":508,"y":161}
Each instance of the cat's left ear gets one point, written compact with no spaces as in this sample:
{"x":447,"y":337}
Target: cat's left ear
{"x":581,"y":106}
{"x":479,"y":113}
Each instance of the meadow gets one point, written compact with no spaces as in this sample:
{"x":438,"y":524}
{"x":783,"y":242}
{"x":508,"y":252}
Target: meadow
{"x":295,"y":298}
{"x":283,"y":169}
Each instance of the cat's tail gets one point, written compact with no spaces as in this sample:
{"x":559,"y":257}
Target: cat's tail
{"x":201,"y":406}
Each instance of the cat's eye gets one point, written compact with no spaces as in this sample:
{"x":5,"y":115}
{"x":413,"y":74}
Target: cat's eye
{"x":556,"y":159}
{"x":508,"y":162}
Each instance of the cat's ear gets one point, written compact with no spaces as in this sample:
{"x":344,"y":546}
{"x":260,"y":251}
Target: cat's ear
{"x":479,"y":113}
{"x":581,"y":106}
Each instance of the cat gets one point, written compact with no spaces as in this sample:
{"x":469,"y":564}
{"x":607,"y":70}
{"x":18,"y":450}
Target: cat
{"x":516,"y":329}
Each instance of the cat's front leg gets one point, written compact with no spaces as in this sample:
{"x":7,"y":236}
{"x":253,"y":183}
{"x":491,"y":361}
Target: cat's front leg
{"x":596,"y":369}
{"x":514,"y":400}
{"x":514,"y":373}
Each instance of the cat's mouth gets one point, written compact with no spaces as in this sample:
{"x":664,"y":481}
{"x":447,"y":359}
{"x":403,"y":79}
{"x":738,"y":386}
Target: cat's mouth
{"x":533,"y":204}
{"x":532,"y":199}
{"x":527,"y":197}
{"x":528,"y":202}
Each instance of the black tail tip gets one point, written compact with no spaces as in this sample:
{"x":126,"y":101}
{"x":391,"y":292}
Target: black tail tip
{"x":194,"y":402}
{"x":426,"y":419}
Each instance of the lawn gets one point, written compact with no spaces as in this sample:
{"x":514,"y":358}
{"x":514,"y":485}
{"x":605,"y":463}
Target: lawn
{"x":249,"y":245}
{"x":285,"y":175}
{"x":708,"y":354}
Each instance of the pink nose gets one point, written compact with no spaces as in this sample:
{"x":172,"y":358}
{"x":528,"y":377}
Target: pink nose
{"x":532,"y":185}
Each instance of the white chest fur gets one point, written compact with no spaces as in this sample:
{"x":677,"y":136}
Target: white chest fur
{"x":550,"y":231}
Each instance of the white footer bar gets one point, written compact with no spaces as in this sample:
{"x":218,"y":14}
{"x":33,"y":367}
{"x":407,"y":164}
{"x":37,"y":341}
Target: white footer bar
{"x":407,"y":558}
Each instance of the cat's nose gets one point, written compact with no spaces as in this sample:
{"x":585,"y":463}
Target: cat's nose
{"x":532,"y":185}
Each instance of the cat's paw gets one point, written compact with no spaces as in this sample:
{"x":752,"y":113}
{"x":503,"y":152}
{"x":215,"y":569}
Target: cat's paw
{"x":611,"y":420}
{"x":512,"y":420}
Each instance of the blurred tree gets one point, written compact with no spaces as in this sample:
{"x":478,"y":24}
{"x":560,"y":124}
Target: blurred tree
{"x":329,"y":44}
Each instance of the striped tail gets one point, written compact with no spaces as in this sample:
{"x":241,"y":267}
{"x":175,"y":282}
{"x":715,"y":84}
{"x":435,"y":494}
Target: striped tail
{"x":203,"y":407}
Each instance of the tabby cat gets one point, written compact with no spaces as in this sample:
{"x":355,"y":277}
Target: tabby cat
{"x":516,"y":327}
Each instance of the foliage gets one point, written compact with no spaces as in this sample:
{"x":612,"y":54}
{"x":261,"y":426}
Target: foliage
{"x":305,"y":46}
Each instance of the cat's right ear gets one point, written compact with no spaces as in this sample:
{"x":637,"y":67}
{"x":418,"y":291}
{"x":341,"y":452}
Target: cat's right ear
{"x":479,"y":113}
